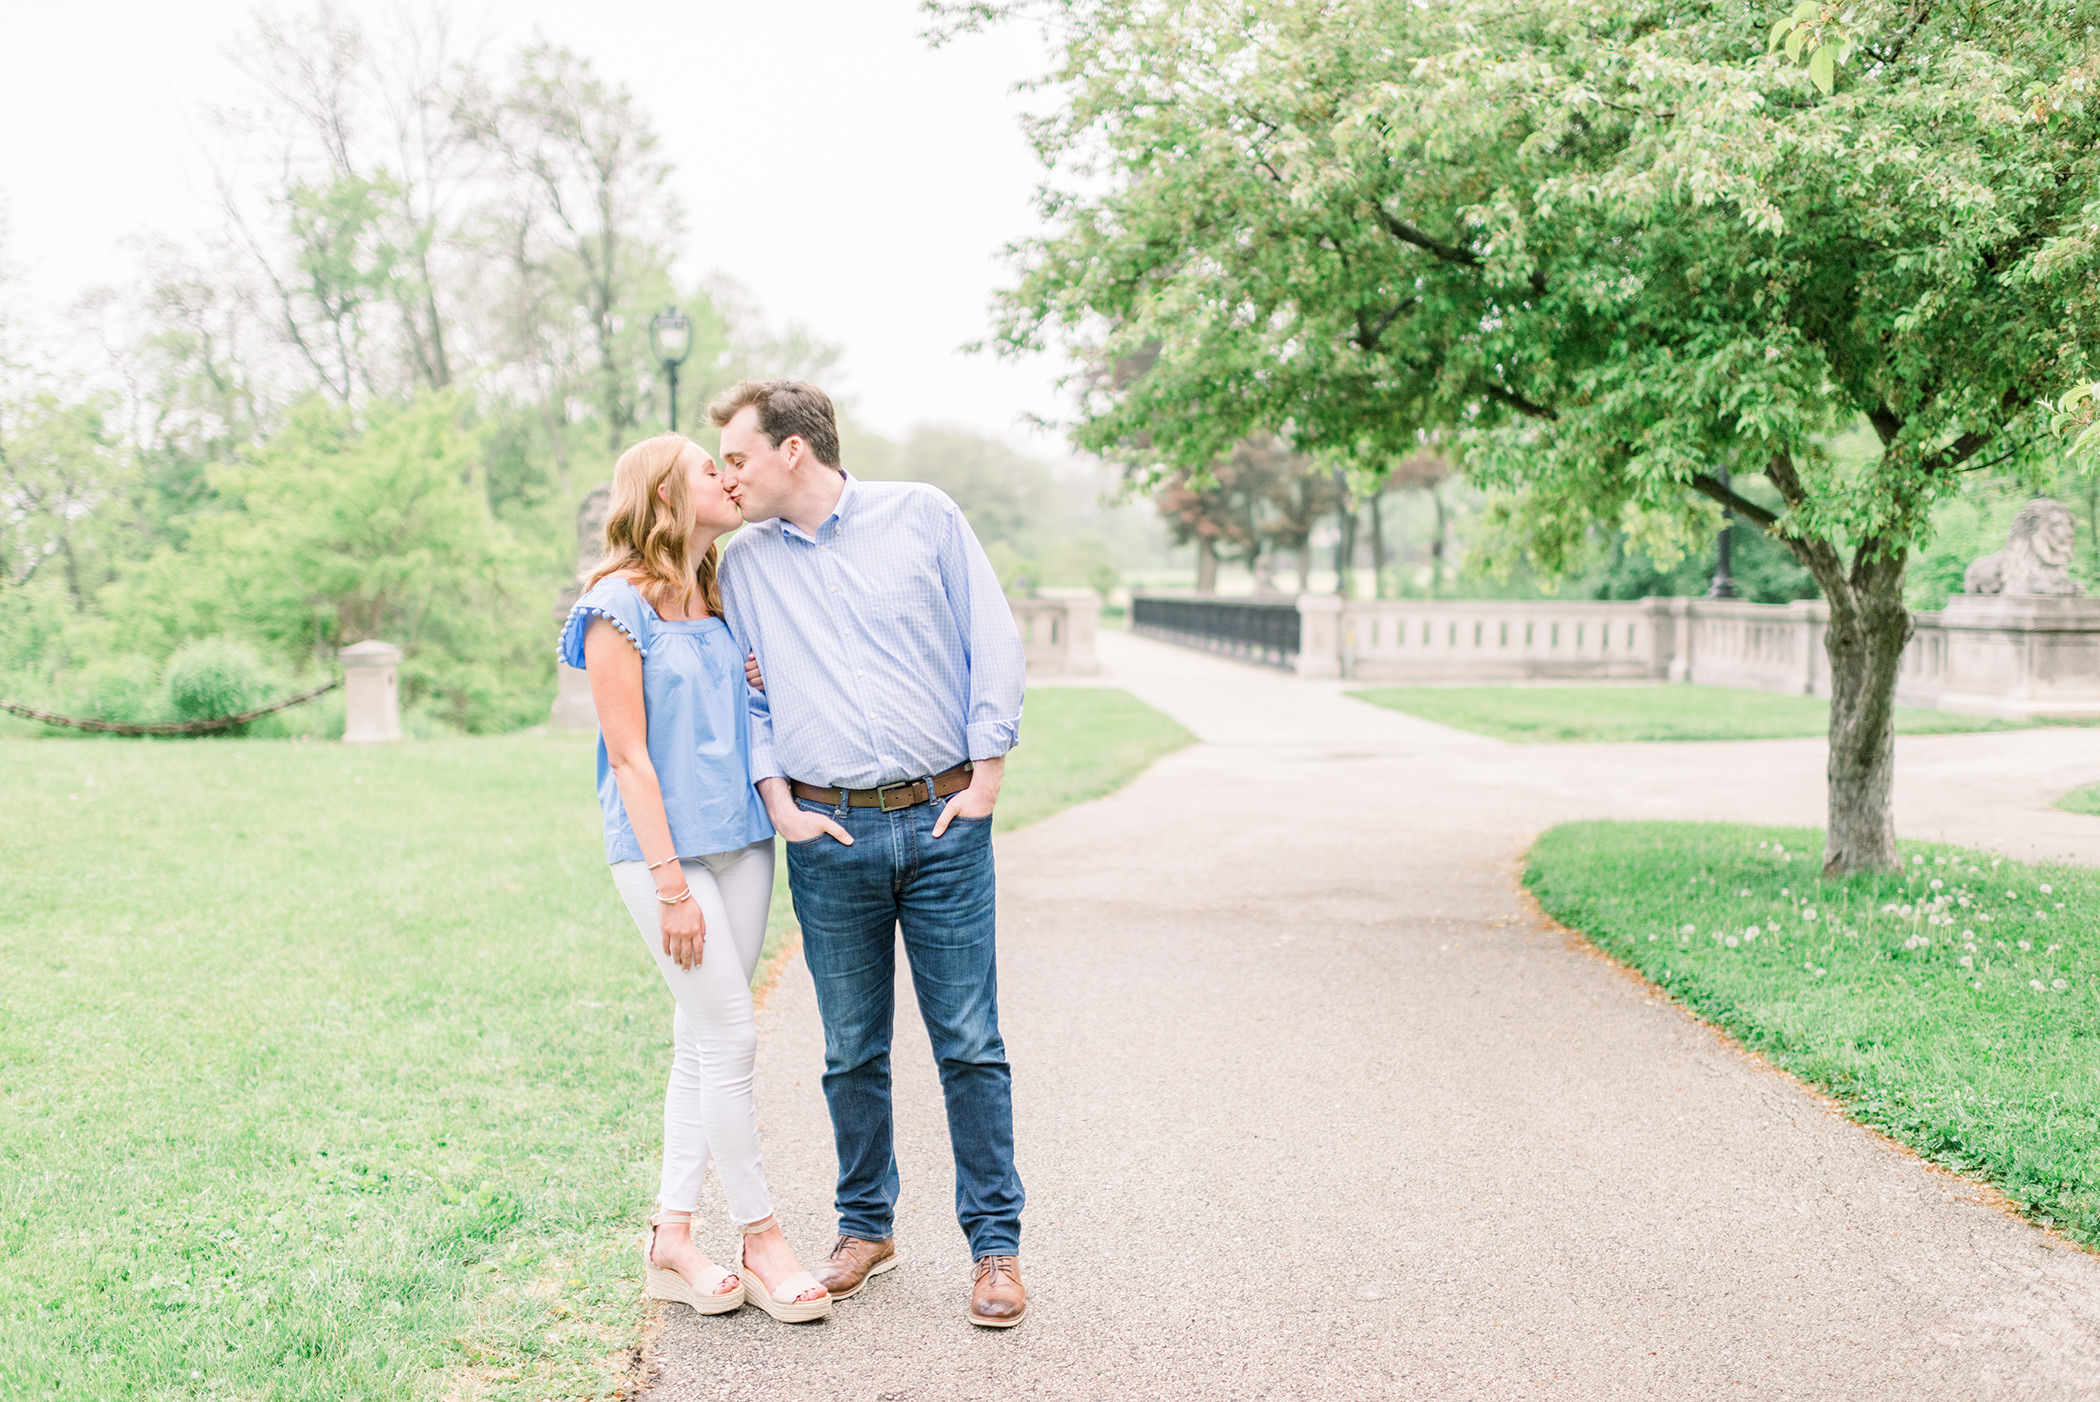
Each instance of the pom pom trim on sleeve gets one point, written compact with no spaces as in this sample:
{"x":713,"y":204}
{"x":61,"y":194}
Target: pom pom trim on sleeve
{"x":584,"y":611}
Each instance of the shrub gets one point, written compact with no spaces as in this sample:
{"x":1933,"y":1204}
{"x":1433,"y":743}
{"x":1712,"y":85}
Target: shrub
{"x":123,"y":689}
{"x":214,"y":677}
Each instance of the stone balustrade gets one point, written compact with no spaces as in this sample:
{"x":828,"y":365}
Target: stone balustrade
{"x":2009,"y":655}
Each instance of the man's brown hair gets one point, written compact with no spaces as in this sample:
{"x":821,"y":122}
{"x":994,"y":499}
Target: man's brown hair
{"x":786,"y":409}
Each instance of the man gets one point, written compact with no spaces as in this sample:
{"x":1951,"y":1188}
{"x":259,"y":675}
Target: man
{"x":893,"y":680}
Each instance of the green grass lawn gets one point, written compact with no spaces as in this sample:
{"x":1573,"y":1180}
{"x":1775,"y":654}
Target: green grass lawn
{"x":1561,"y":714}
{"x":338,"y":1073}
{"x":2085,"y":800}
{"x":1953,"y":1006}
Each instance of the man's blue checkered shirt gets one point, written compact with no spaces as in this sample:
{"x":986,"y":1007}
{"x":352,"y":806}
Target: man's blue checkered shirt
{"x":887,"y":645}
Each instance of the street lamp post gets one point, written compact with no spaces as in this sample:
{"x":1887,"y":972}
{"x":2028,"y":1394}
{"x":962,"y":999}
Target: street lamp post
{"x":671,"y":335}
{"x":1723,"y":586}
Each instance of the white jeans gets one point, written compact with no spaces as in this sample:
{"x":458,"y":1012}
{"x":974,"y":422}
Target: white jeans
{"x":708,"y":1107}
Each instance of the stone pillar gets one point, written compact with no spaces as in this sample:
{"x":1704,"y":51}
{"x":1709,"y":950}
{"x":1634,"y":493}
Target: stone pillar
{"x":1680,"y":640}
{"x":371,"y":692}
{"x":1811,"y":619}
{"x":1319,"y":635}
{"x":1057,"y":631}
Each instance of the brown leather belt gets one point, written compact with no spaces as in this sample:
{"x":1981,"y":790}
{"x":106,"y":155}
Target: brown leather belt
{"x":906,"y":793}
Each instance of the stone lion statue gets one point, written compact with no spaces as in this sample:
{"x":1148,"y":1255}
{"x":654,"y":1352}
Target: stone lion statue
{"x":2037,"y":558}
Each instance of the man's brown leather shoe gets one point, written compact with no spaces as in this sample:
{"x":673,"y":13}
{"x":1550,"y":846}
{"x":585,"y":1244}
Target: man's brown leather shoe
{"x":999,"y":1299}
{"x":851,"y":1262}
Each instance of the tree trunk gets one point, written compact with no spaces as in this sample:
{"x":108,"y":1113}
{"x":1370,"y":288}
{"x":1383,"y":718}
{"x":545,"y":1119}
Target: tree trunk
{"x":1206,"y":565}
{"x":1864,"y":642}
{"x":1377,"y":549}
{"x":1304,"y":563}
{"x":1436,"y":548}
{"x":1344,"y":535}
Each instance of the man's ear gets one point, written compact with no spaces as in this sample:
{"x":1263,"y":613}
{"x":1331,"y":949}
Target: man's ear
{"x":792,"y":448}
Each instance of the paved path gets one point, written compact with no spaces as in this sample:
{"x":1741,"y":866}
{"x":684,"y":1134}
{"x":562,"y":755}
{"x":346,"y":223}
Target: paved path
{"x":1311,"y":1107}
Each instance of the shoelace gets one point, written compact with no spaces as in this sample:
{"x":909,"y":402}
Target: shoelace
{"x":996,"y":1266}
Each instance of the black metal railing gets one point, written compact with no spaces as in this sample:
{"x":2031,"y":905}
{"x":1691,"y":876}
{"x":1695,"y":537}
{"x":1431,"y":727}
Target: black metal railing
{"x":1261,"y":630}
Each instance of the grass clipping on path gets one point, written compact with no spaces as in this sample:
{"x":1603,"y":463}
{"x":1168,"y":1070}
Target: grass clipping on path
{"x":333,"y":1072}
{"x":1951,"y":1006}
{"x":1611,"y":714}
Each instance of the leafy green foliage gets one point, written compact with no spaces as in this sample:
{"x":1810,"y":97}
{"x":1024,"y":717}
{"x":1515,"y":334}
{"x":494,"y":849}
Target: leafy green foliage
{"x":215,"y":677}
{"x":342,"y":528}
{"x":1949,"y":1004}
{"x":1617,"y":249}
{"x":1621,"y":256}
{"x":2078,"y":415}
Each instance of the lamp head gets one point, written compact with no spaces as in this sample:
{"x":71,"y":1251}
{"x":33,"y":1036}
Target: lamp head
{"x":671,"y":335}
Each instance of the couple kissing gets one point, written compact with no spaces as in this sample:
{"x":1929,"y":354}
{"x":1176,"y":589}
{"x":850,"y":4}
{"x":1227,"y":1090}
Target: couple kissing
{"x":846,"y":674}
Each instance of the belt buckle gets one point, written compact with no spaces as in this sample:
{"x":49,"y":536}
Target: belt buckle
{"x":882,"y":802}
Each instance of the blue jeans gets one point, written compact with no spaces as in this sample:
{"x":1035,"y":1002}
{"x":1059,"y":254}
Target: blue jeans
{"x":850,"y":902}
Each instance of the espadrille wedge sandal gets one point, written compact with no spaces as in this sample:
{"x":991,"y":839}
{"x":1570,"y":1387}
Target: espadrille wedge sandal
{"x":705,"y":1295}
{"x":780,"y":1301}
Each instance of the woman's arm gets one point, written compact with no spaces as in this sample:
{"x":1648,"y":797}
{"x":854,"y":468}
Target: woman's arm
{"x":615,"y":670}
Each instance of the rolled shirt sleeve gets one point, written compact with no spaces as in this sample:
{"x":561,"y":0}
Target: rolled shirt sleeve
{"x":998,"y":668}
{"x":764,"y":763}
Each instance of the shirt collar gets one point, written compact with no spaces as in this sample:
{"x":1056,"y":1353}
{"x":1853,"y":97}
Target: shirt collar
{"x":839,"y":512}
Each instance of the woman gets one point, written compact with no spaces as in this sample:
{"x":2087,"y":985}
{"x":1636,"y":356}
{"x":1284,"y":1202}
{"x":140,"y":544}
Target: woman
{"x":691,"y":852}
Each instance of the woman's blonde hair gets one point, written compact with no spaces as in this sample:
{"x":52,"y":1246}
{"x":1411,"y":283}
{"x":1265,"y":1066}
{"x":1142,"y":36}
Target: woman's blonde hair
{"x":649,"y":537}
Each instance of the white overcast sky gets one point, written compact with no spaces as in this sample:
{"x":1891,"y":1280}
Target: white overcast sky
{"x":914,"y":155}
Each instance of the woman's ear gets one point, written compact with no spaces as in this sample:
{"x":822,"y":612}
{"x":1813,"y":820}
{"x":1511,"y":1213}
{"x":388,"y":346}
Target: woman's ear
{"x":663,"y":492}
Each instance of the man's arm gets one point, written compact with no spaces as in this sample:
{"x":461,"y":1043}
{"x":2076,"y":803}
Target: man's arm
{"x":996,"y":667}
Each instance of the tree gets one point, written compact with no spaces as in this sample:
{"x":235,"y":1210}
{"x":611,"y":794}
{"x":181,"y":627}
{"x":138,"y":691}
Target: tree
{"x":66,"y":497}
{"x":1611,"y":250}
{"x":584,"y":222}
{"x":369,"y":171}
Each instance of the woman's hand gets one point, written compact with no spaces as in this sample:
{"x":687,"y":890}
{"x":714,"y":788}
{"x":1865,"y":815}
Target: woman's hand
{"x":752,"y":674}
{"x":685,"y":931}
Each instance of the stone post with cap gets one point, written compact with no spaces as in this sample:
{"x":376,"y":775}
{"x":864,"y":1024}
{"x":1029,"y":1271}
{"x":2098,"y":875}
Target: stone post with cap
{"x":371,"y":692}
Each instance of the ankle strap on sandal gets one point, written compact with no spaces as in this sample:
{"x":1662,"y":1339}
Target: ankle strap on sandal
{"x":763,"y":1224}
{"x":670,"y":1219}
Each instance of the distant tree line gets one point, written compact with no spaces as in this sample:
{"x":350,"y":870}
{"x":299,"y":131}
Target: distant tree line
{"x":369,"y":401}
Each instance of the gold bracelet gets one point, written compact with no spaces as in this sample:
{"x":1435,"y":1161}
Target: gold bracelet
{"x":679,"y":899}
{"x":664,"y":863}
